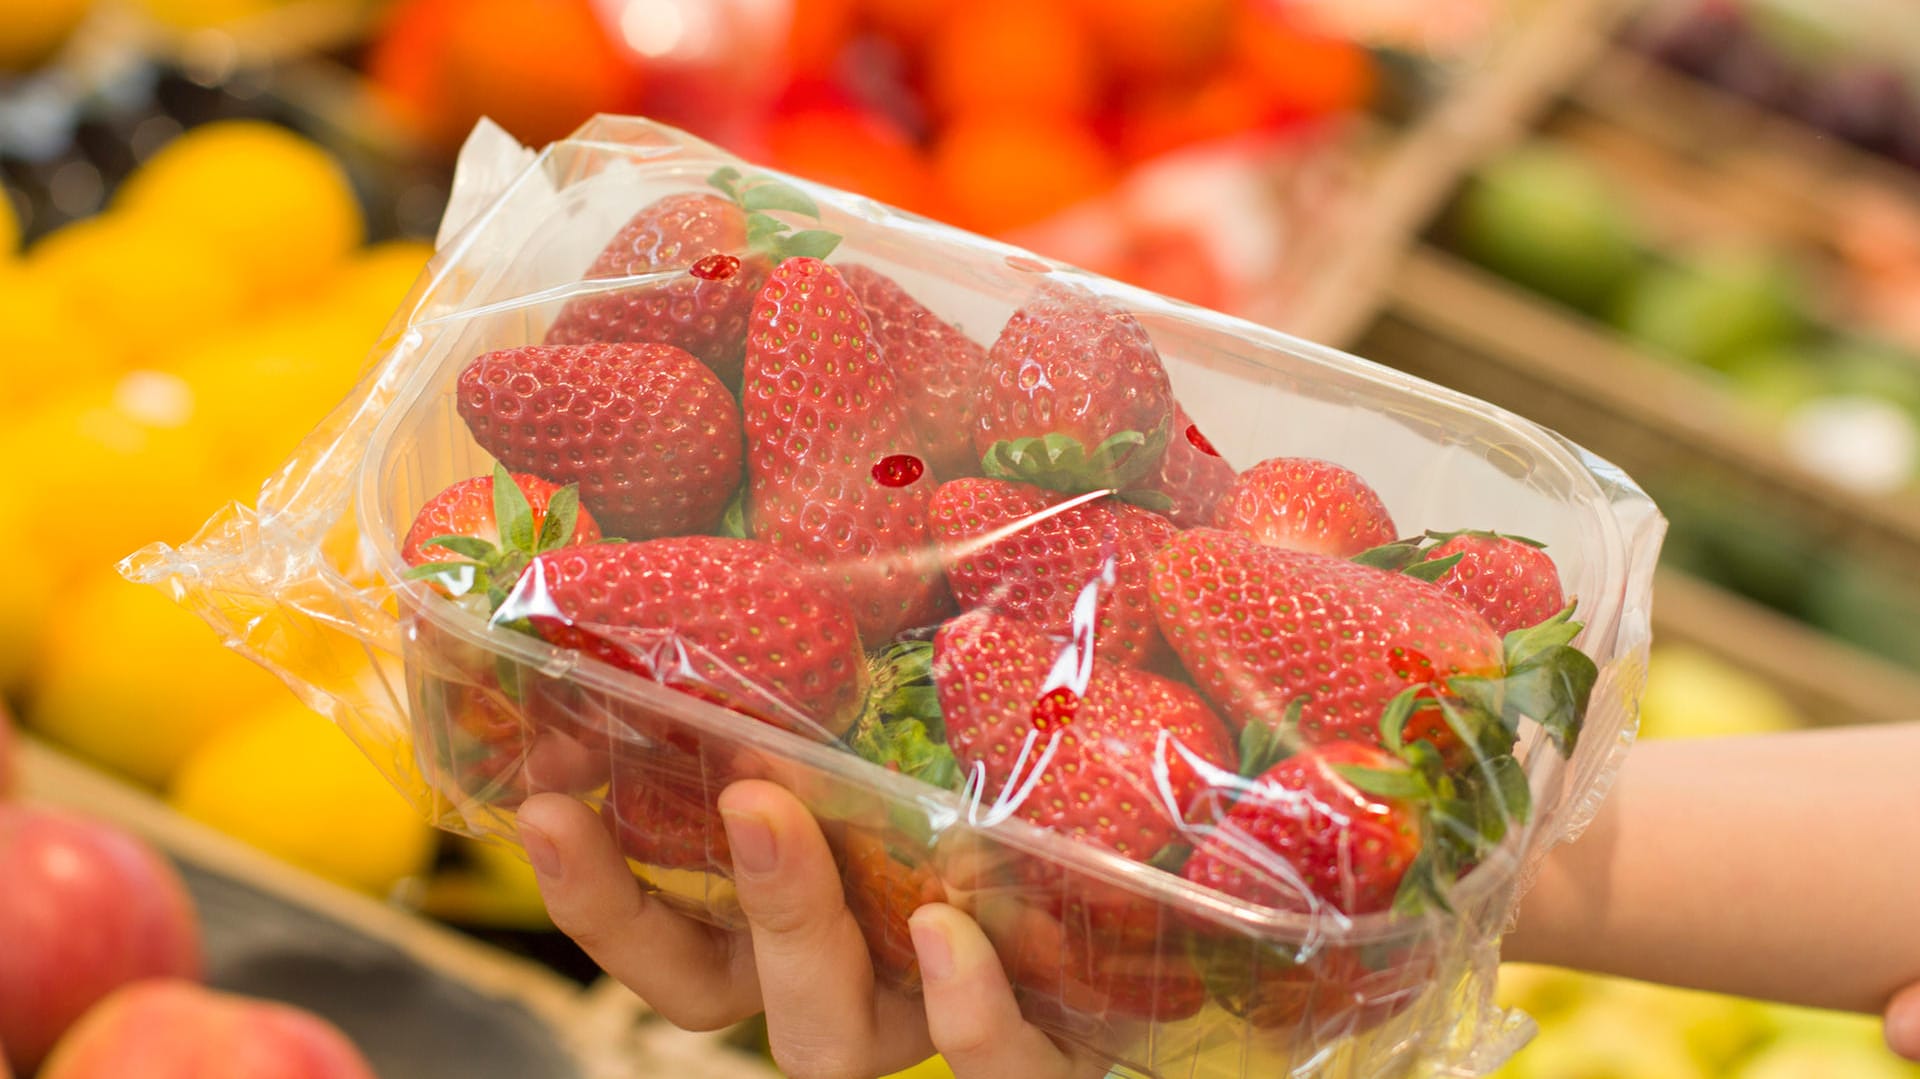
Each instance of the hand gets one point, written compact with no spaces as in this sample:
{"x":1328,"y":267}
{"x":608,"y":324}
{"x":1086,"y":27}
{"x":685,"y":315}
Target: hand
{"x":1903,"y":1022}
{"x":804,"y":961}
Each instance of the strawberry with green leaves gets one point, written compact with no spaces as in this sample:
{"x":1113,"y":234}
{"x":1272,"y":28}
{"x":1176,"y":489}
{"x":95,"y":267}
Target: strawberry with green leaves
{"x":731,"y":621}
{"x":698,"y":258}
{"x":1305,"y":504}
{"x":835,"y":473}
{"x":1073,"y":397}
{"x":474,"y":537}
{"x":1192,"y":477}
{"x":1033,"y":553}
{"x":647,"y":432}
{"x":935,"y":364}
{"x":1512,"y":582}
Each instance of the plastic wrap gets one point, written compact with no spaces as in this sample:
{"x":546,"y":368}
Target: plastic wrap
{"x":1035,"y":700}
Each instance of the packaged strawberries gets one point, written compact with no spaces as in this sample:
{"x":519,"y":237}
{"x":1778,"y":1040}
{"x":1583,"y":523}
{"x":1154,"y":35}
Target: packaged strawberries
{"x":1235,"y":685}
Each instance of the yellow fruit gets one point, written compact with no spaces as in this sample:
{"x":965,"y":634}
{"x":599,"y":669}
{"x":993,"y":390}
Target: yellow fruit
{"x":144,"y":284}
{"x":1691,"y":694}
{"x":289,"y":782}
{"x":9,"y":228}
{"x":275,"y":204}
{"x":930,"y":1068}
{"x":26,"y":597}
{"x":48,"y":347}
{"x":370,"y":288}
{"x":495,"y":889}
{"x":135,"y":682}
{"x":1603,"y":1040}
{"x":32,"y":30}
{"x":200,"y":14}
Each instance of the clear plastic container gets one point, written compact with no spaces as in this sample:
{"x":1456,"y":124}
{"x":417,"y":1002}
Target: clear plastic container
{"x":1145,"y":967}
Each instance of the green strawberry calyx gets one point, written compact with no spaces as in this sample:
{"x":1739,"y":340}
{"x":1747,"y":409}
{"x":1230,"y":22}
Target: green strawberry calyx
{"x":1062,"y":463}
{"x":761,"y":196}
{"x":1409,"y":556}
{"x":490,"y":569}
{"x":901,"y":728}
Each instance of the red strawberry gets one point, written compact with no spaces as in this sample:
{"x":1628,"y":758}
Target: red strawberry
{"x":1333,"y":992}
{"x":1261,"y":627}
{"x":935,"y":365}
{"x":1305,"y":504}
{"x":649,"y":434}
{"x":728,"y":620}
{"x":703,"y":313}
{"x":1192,"y":474}
{"x":1004,"y":550}
{"x":471,"y":511}
{"x":1073,"y":397}
{"x":1512,"y":583}
{"x":1305,"y":834}
{"x":664,"y":811}
{"x":1011,"y":695}
{"x":883,"y":890}
{"x":835,"y":473}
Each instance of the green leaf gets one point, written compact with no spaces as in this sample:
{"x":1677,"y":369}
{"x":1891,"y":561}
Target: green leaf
{"x":1522,"y":645}
{"x":466,"y":546}
{"x":1399,"y":783}
{"x":1394,"y":556}
{"x":774,"y":195}
{"x":1553,"y":689}
{"x":1393,"y":718}
{"x":1263,"y":744}
{"x":1109,"y":453}
{"x":734,"y":522}
{"x":761,"y":230}
{"x":1171,"y":857}
{"x":563,"y":517}
{"x":459,"y":578}
{"x":1431,"y":570}
{"x":1421,"y":887}
{"x":727,"y":179}
{"x":807,"y":243}
{"x":511,"y":512}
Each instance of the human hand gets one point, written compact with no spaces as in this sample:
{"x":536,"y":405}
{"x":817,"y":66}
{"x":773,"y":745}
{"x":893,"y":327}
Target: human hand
{"x":1903,"y":1022}
{"x":803,"y":961}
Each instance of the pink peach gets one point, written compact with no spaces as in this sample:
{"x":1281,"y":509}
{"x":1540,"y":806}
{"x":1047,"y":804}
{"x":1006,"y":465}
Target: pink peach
{"x":171,"y":1029}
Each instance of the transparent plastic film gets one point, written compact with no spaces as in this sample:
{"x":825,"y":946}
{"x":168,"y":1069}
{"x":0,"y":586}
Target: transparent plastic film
{"x":1233,"y":684}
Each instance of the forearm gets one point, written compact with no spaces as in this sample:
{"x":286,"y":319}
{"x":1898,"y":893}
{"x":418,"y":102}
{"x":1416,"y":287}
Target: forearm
{"x":1785,"y":867}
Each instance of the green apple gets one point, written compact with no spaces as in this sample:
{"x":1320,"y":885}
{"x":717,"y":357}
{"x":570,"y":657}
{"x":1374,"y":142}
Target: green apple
{"x":1713,"y":307}
{"x":1547,"y":219}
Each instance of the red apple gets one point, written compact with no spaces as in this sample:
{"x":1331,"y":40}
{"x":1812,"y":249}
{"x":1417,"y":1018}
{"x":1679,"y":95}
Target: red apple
{"x":171,"y":1029}
{"x":84,"y":909}
{"x":7,"y":766}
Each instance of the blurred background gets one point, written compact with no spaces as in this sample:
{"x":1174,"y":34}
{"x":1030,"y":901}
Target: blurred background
{"x":1685,"y":234}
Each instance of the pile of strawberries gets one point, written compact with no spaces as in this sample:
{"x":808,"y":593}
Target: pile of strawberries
{"x":1015,"y":569}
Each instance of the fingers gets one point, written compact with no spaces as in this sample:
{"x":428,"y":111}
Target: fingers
{"x":823,"y":1015}
{"x":1903,"y":1022}
{"x":694,"y":976}
{"x":971,"y":1013}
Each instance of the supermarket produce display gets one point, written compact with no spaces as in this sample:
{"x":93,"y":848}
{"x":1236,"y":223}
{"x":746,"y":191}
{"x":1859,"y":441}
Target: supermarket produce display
{"x":1683,"y":233}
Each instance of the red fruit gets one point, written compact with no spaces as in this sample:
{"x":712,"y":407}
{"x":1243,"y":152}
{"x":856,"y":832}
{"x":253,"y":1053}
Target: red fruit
{"x":1260,"y":627}
{"x":7,"y":752}
{"x":467,"y":509}
{"x":664,"y":811}
{"x":883,"y":890}
{"x":1004,"y":551}
{"x":1512,"y":584}
{"x":1191,"y":473}
{"x":822,"y":410}
{"x":1001,"y":686}
{"x":935,"y":365}
{"x":84,"y":910}
{"x":1334,"y":992}
{"x":1303,"y":835}
{"x":706,"y":316}
{"x":1074,"y":396}
{"x":1305,"y":504}
{"x":649,"y":434}
{"x":727,"y":620}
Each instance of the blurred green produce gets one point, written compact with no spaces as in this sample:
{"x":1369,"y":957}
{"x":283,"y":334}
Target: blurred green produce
{"x":1546,"y":219}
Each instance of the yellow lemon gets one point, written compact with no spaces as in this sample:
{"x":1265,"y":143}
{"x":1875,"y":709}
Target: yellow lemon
{"x":48,"y":346}
{"x":1691,"y":694}
{"x":493,"y":887}
{"x":135,"y":682}
{"x":276,"y":204}
{"x":145,"y":284}
{"x":290,"y":783}
{"x":930,"y":1068}
{"x":26,"y":596}
{"x":32,"y":31}
{"x":370,"y":289}
{"x":200,"y":14}
{"x":9,"y":228}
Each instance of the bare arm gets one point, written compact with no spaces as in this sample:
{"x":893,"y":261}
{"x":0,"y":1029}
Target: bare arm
{"x":1785,"y":867}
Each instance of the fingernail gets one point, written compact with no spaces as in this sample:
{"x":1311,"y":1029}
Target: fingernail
{"x":751,"y":838}
{"x":1903,"y":1031}
{"x":930,"y":943}
{"x":541,"y":853}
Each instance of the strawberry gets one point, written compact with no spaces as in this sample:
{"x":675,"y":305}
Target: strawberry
{"x":1322,"y":995}
{"x":935,"y":365}
{"x":713,"y":249}
{"x":1032,"y":553}
{"x":883,"y":890}
{"x":1511,"y":582}
{"x":1191,"y":476}
{"x":731,"y":621}
{"x":649,"y":434}
{"x":481,"y":531}
{"x":1105,"y":754}
{"x":1073,"y":397}
{"x":1305,"y":504}
{"x":1306,"y":833}
{"x":664,"y":812}
{"x":835,"y":473}
{"x":1261,"y":627}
